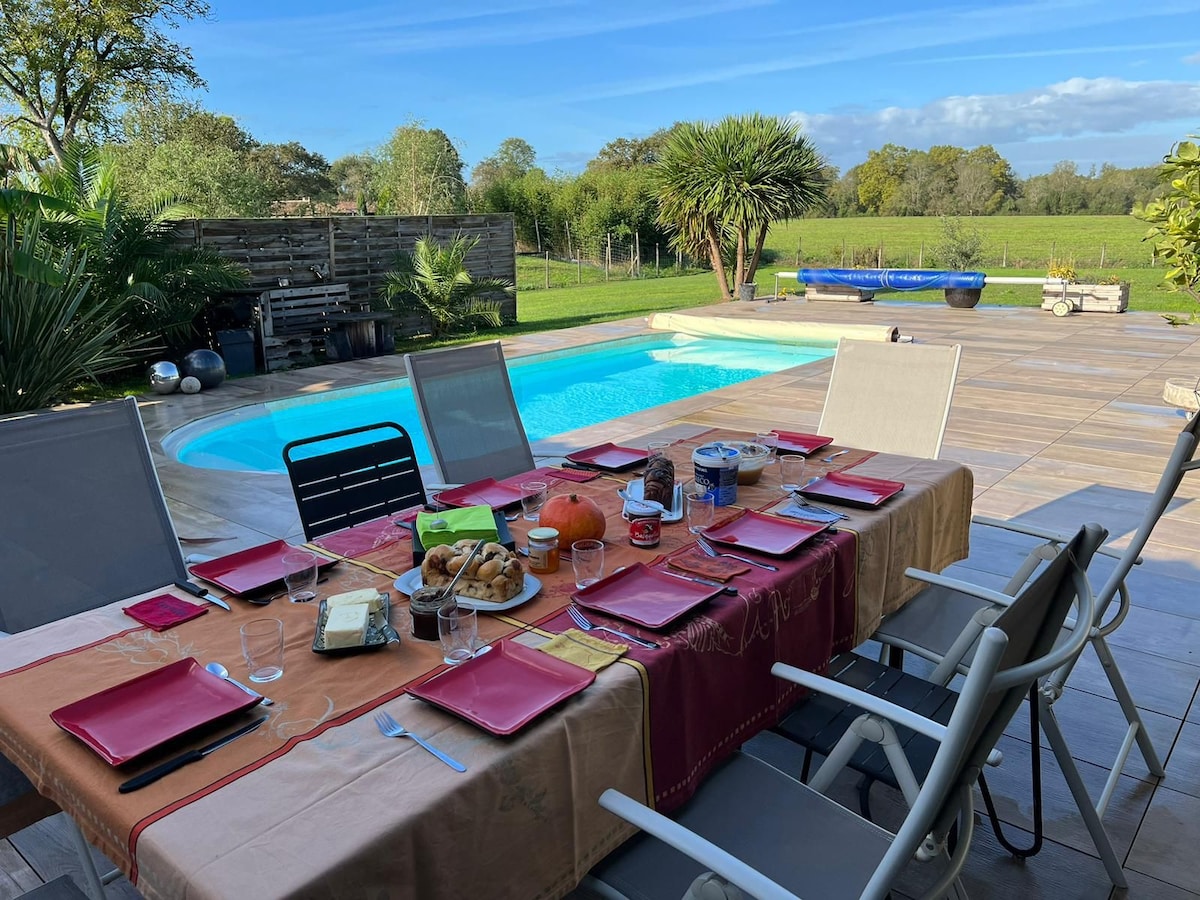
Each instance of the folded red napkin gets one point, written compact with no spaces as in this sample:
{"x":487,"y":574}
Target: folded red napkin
{"x":574,"y":474}
{"x":718,"y":568}
{"x":543,"y":472}
{"x":163,"y":611}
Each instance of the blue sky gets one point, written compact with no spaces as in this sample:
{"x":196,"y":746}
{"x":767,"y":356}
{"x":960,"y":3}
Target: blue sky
{"x":1091,"y":81}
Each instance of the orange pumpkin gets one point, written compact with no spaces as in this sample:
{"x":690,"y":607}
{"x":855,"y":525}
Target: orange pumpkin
{"x":576,"y":518}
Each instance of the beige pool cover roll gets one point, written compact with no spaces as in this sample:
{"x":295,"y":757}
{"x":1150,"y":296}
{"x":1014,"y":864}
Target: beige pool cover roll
{"x":764,"y":330}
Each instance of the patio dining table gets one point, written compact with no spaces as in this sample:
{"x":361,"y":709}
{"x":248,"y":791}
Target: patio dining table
{"x":318,"y":803}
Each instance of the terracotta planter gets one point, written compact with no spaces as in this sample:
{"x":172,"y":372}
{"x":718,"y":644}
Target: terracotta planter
{"x":963,"y":298}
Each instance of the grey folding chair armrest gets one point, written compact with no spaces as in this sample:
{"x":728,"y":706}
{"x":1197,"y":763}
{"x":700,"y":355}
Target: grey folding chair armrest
{"x":999,"y":598}
{"x":691,"y":844}
{"x":898,"y":715}
{"x":1046,"y":534}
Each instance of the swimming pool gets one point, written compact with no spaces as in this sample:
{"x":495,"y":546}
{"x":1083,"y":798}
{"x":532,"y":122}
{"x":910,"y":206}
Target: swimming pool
{"x":555,"y":392}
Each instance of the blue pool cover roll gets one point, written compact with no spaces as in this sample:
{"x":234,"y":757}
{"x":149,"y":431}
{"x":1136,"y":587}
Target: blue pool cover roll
{"x":892,"y":279}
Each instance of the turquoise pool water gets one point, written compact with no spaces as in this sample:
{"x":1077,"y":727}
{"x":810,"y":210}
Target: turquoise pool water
{"x":555,"y":392}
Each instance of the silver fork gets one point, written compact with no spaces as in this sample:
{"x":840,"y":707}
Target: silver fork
{"x":708,"y":549}
{"x":391,"y":728}
{"x":801,"y":500}
{"x":583,"y":622}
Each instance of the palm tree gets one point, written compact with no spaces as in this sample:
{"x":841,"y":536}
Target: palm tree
{"x":433,"y":279}
{"x":133,"y":257}
{"x":725,"y":183}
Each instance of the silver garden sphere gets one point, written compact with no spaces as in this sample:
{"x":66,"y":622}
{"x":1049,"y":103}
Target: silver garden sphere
{"x":164,"y":377}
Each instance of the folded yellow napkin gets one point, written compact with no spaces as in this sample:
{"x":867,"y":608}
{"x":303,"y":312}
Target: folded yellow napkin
{"x":451,"y":525}
{"x":583,"y":650}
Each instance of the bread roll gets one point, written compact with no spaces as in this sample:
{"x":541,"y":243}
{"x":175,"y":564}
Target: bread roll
{"x":495,"y":574}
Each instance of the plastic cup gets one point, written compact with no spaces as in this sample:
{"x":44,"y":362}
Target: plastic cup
{"x":300,"y":575}
{"x":533,"y":495}
{"x":262,"y":648}
{"x":657,"y":448}
{"x":458,"y":631}
{"x":587,"y":559}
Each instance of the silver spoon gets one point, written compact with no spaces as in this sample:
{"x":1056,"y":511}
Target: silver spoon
{"x":221,"y":672}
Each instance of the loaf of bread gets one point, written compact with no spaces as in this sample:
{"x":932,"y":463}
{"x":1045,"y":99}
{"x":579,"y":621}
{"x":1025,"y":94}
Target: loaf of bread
{"x":659,"y":482}
{"x":495,"y":574}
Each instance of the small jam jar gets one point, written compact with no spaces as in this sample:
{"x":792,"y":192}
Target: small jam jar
{"x":645,"y":524}
{"x":543,"y":550}
{"x":424,"y":606}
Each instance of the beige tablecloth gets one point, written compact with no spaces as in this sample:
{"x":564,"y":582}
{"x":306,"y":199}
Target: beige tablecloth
{"x":317,"y":803}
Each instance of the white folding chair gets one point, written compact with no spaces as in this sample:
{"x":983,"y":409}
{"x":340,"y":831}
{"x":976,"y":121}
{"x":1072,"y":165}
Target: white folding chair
{"x":894,"y":398}
{"x":943,"y":628}
{"x":84,"y":524}
{"x":772,"y":836}
{"x":467,"y":410}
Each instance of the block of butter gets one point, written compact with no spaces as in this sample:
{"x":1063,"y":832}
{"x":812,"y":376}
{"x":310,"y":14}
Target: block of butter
{"x":370,"y":596}
{"x":346,"y":626}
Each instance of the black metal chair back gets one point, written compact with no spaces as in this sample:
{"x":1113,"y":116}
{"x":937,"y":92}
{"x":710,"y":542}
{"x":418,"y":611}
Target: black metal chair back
{"x":339,"y":480}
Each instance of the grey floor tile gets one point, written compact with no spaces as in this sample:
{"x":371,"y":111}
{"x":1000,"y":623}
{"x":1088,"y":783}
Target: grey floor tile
{"x":1183,"y":765}
{"x":1165,"y":845}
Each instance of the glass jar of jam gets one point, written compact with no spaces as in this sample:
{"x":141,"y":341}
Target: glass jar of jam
{"x":543,"y":550}
{"x":423,"y":607}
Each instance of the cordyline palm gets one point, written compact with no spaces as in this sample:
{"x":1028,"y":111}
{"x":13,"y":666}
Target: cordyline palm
{"x":730,"y":181}
{"x":433,"y":279}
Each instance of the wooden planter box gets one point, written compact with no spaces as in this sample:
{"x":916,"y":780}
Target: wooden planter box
{"x":1109,"y":298}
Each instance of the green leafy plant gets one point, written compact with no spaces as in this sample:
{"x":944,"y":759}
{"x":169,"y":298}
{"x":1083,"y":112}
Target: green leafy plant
{"x":960,"y":247}
{"x":1174,"y":218}
{"x":434,"y":280}
{"x":52,"y":336}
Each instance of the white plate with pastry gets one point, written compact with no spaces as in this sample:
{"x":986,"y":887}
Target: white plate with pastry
{"x":411,"y":581}
{"x":674,"y":513}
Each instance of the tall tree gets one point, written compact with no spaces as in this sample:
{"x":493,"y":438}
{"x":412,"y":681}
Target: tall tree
{"x":735,"y":178}
{"x":512,"y":159}
{"x":420,"y":173}
{"x":66,"y":64}
{"x":353,"y":178}
{"x":630,"y":153}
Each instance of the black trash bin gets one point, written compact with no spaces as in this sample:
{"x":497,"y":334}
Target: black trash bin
{"x":237,"y":349}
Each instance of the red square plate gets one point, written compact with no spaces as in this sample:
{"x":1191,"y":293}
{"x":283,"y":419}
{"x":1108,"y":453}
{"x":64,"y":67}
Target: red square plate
{"x":766,"y":534}
{"x":645,"y":596}
{"x":795,"y":442}
{"x":609,"y":456}
{"x":250,"y":570}
{"x":125,"y":721}
{"x":485,"y":492}
{"x":506,"y":688}
{"x":852,"y":490}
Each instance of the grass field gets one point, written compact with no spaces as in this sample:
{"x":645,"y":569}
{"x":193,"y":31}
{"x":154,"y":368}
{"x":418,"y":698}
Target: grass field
{"x":1025,"y":242}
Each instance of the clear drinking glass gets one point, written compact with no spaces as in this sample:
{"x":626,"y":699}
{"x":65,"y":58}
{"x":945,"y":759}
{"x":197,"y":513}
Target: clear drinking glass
{"x":791,"y":473}
{"x":657,"y":448}
{"x":300,"y":575}
{"x":770,"y":440}
{"x":533,"y":495}
{"x":699,"y":507}
{"x":262,"y":647}
{"x":587,"y":559}
{"x":458,"y":631}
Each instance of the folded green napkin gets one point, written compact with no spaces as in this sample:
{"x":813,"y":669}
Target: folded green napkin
{"x":452,"y":525}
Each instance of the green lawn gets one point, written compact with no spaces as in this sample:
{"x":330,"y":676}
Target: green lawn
{"x":1031,"y":241}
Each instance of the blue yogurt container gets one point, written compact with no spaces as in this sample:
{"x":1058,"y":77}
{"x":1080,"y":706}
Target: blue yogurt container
{"x":716,"y":470}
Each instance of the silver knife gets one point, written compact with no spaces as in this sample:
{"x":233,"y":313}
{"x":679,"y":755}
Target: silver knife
{"x":726,"y":588}
{"x":178,"y":762}
{"x":203,"y":593}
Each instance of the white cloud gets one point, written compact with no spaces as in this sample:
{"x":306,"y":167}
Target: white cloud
{"x":1069,"y":109}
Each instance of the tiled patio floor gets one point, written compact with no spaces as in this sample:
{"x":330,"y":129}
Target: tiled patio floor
{"x":1061,"y":421}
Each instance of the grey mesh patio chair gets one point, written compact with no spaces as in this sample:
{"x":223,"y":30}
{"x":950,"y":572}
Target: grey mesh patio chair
{"x":345,"y":478}
{"x":943,"y":628}
{"x":83,"y":524}
{"x":774,"y":837}
{"x":894,"y":398}
{"x":467,"y":410}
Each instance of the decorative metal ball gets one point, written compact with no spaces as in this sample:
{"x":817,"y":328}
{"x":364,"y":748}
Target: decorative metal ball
{"x":205,"y":366}
{"x":164,"y":377}
{"x":190,"y":385}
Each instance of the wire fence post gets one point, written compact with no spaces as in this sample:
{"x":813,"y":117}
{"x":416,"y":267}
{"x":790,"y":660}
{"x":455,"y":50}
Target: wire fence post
{"x":656,"y":259}
{"x":547,"y":270}
{"x":538,"y":231}
{"x":570,"y":252}
{"x":607,"y":255}
{"x":1004,"y":265}
{"x":1103,"y":249}
{"x":578,"y":271}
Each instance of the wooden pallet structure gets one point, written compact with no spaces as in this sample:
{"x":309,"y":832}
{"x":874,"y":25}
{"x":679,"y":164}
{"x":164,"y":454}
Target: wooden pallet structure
{"x":296,"y":321}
